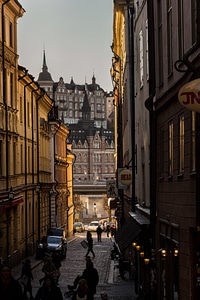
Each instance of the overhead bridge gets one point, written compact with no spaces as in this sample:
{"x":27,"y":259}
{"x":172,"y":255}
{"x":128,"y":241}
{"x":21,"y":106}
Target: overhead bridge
{"x":81,"y":188}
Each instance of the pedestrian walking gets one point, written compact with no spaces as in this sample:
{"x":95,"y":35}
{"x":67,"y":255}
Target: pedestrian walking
{"x":90,"y":246}
{"x":57,"y":263}
{"x":49,"y":269}
{"x":91,"y":275}
{"x":82,"y":291}
{"x":99,"y":232}
{"x":49,"y":291}
{"x":108,"y":230}
{"x":27,"y":276}
{"x":88,"y":235}
{"x":10,"y":288}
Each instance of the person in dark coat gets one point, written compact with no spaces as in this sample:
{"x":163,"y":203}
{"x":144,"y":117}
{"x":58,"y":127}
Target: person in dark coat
{"x":90,"y":246}
{"x":91,"y":275}
{"x":49,"y":291}
{"x":82,"y":291}
{"x":10,"y":288}
{"x":108,"y":230}
{"x":99,"y":232}
{"x":88,"y":235}
{"x":26,"y":270}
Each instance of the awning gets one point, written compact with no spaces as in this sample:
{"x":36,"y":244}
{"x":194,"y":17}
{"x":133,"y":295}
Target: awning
{"x":129,"y":231}
{"x":8,"y":204}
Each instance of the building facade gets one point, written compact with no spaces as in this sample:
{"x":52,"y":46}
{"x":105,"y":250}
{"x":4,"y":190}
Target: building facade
{"x":87,"y":110}
{"x":165,"y":39}
{"x":27,"y":182}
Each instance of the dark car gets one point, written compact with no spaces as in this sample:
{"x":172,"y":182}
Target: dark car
{"x":79,"y":227}
{"x":54,"y":241}
{"x":51,"y":245}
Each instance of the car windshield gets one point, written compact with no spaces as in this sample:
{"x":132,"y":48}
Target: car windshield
{"x":77,"y":224}
{"x":94,"y":224}
{"x":53,"y":239}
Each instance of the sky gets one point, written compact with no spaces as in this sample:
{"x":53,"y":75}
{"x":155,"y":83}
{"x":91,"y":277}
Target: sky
{"x":76,"y":36}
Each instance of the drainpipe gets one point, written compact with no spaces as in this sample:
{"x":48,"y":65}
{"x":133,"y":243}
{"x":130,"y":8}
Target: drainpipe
{"x":33,"y":164}
{"x":152,"y":121}
{"x":130,"y":12}
{"x":25,"y":169}
{"x":38,"y":162}
{"x":4,"y":90}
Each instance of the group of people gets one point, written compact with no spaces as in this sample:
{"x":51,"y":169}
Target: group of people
{"x":85,"y":285}
{"x":11,"y":289}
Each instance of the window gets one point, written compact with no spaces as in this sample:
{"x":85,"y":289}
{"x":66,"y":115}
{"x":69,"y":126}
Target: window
{"x":160,"y":43}
{"x":20,"y":110}
{"x":28,"y":114}
{"x":11,"y":34}
{"x":193,"y":142}
{"x":194,"y":20}
{"x":1,"y":158}
{"x":22,"y":158}
{"x":162,"y":140}
{"x":169,"y":37}
{"x":181,"y":144}
{"x":14,"y":158}
{"x":141,"y":57}
{"x":147,"y":51}
{"x":11,"y":90}
{"x":180,"y":29}
{"x":170,"y":148}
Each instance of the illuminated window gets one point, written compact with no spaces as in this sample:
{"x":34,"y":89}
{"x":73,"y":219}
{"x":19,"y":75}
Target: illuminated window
{"x":193,"y":142}
{"x":181,"y":144}
{"x":171,"y":148}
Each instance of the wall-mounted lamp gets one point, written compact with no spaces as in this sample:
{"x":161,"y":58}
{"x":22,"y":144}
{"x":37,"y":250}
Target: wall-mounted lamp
{"x":11,"y":194}
{"x":138,"y":247}
{"x":141,"y":254}
{"x":146,"y":261}
{"x":163,"y":252}
{"x":175,"y":252}
{"x":134,"y":244}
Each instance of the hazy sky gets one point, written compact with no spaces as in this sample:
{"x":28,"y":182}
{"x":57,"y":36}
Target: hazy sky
{"x":75,"y":34}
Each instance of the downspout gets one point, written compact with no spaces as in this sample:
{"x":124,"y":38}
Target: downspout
{"x":38,"y":163}
{"x":130,"y":11}
{"x":4,"y":91}
{"x":152,"y":121}
{"x":33,"y":166}
{"x":25,"y":169}
{"x":54,"y":140}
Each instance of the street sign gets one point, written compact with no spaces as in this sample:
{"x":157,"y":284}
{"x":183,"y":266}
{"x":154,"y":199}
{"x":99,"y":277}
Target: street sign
{"x":111,"y":188}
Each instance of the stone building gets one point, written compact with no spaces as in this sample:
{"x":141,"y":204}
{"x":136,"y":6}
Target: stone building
{"x":27,"y":183}
{"x":166,"y":43}
{"x":87,"y":110}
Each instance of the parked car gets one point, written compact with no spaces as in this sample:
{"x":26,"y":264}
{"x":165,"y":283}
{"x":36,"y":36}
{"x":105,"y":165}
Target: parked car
{"x":79,"y":227}
{"x":52,"y":244}
{"x":57,"y":231}
{"x":93,"y":226}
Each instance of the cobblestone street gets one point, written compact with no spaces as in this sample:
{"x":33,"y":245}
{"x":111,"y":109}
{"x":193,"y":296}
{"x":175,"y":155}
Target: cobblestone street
{"x":74,"y":264}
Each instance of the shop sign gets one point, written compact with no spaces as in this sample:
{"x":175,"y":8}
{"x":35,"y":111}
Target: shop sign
{"x":189,"y":95}
{"x":125,"y":176}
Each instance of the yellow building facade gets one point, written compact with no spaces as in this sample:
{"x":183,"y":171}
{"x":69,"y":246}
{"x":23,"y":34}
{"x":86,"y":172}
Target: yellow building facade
{"x":27,"y":184}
